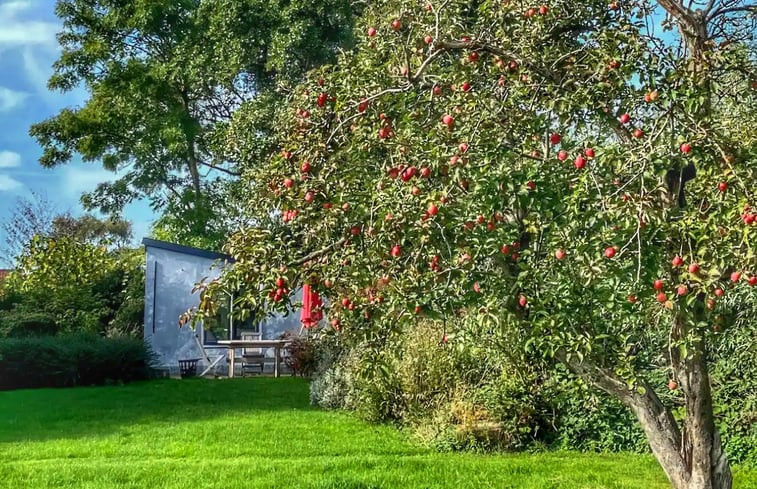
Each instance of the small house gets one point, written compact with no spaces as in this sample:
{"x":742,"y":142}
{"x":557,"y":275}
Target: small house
{"x":171,"y":273}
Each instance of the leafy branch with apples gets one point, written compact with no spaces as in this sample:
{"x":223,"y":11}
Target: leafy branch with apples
{"x":580,"y":179}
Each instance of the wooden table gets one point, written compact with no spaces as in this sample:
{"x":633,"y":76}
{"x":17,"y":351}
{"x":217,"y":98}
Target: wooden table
{"x":234,"y":344}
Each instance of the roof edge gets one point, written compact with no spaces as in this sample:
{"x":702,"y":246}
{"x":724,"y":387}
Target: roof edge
{"x":186,"y":250}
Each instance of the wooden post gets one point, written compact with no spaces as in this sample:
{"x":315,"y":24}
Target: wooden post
{"x":231,"y":361}
{"x":276,"y":361}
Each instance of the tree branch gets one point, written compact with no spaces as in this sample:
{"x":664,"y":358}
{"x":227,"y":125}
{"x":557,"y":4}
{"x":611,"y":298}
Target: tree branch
{"x":317,"y":254}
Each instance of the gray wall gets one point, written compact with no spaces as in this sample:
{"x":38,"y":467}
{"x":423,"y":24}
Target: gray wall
{"x":170,"y":276}
{"x":169,"y":279}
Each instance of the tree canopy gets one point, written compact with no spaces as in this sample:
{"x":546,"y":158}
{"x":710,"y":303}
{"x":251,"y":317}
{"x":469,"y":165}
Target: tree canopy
{"x":164,"y":80}
{"x":574,"y":178}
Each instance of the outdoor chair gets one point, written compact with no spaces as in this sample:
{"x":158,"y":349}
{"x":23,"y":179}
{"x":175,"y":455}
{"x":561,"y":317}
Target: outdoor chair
{"x":253,"y":359}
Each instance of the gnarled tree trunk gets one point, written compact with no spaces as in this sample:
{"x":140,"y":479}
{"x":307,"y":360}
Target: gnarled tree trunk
{"x":691,"y":455}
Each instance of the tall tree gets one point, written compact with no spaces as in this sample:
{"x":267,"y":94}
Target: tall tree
{"x":165,"y":78}
{"x":570,"y":174}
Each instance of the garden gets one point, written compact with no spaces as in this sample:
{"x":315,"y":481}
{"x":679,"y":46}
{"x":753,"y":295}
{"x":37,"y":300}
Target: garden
{"x":260,"y":433}
{"x":528,"y":233}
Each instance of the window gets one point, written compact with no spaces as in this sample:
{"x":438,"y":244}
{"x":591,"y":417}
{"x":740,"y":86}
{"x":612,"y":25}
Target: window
{"x":225,"y":326}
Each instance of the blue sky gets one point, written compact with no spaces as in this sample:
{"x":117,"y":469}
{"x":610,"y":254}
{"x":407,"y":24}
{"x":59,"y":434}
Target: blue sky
{"x":28,"y":49}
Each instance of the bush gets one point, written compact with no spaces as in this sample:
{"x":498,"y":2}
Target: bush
{"x":331,"y":386}
{"x":65,"y":361}
{"x":20,"y":322}
{"x":300,"y":355}
{"x":452,"y":395}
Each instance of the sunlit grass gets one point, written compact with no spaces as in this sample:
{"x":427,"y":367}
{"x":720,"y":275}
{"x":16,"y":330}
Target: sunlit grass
{"x":257,"y":433}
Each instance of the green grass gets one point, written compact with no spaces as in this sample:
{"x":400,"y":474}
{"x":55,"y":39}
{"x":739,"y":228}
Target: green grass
{"x":258,"y":433}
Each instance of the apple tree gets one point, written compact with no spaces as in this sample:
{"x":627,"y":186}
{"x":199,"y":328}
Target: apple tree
{"x":578,"y":176}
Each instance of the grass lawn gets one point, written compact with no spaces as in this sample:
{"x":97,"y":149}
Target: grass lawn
{"x":257,"y":433}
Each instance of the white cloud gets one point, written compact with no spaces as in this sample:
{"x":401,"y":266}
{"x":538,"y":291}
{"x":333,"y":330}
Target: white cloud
{"x":12,"y":8}
{"x":8,"y":184}
{"x":10,"y":99}
{"x":9,"y":159}
{"x":18,"y":32}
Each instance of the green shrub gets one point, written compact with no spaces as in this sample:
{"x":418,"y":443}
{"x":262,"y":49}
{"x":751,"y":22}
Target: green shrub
{"x":21,"y":321}
{"x":451,"y":395}
{"x":64,"y":361}
{"x":331,"y":386}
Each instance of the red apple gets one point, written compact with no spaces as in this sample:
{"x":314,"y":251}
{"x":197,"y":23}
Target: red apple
{"x":719,"y":292}
{"x":522,"y":301}
{"x":693,"y":268}
{"x":662,"y":297}
{"x":305,"y":167}
{"x":473,"y":57}
{"x":614,"y":64}
{"x":752,"y":280}
{"x":562,"y":155}
{"x":543,"y":10}
{"x":638,"y":133}
{"x":465,"y":87}
{"x":428,"y":39}
{"x":677,"y":261}
{"x":580,"y":162}
{"x":723,"y":186}
{"x":531,"y":185}
{"x":658,"y":284}
{"x":433,"y":210}
{"x":281,"y":282}
{"x":309,"y":196}
{"x":682,"y":290}
{"x":505,"y":249}
{"x":371,"y":32}
{"x":346,"y":302}
{"x":476,"y":288}
{"x":624,"y":119}
{"x":672,"y":385}
{"x":448,"y":120}
{"x":735,"y":276}
{"x":589,"y":152}
{"x":463,"y":147}
{"x":396,"y":24}
{"x":685,"y":148}
{"x":555,"y":138}
{"x":425,"y":172}
{"x":632,"y":299}
{"x":396,"y":251}
{"x":288,"y":182}
{"x":560,"y":254}
{"x":610,"y":252}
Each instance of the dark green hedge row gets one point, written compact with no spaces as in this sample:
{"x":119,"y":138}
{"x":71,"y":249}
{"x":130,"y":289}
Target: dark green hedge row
{"x":64,"y":361}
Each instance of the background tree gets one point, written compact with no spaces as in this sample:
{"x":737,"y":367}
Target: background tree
{"x":569,"y":175}
{"x":31,"y":216}
{"x":164,"y":80}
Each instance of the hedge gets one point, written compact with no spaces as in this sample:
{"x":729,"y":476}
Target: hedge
{"x":76,"y":360}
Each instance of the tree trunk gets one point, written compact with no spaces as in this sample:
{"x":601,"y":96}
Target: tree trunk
{"x":692,"y":456}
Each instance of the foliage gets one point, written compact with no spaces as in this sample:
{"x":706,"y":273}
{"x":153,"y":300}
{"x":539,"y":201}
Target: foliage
{"x":112,"y":232}
{"x":451,"y":395}
{"x":66,"y":361}
{"x":300,"y":356}
{"x":164,"y":79}
{"x":566,"y":175}
{"x":63,"y":285}
{"x":109,"y":437}
{"x":30,"y":216}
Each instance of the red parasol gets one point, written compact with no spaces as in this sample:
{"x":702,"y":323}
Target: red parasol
{"x":312,"y":305}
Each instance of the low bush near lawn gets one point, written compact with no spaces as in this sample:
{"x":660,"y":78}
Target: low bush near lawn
{"x":64,"y":361}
